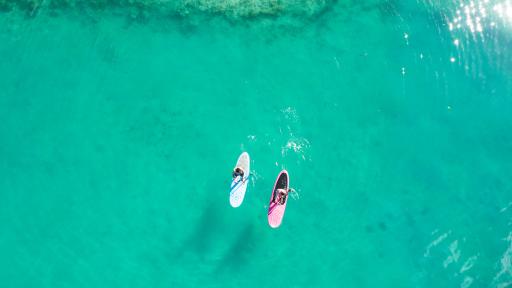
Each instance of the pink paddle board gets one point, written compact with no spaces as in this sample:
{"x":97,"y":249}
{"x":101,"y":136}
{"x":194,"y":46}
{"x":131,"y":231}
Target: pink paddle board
{"x":276,"y":210}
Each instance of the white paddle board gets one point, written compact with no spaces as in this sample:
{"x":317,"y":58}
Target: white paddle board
{"x":239,"y":185}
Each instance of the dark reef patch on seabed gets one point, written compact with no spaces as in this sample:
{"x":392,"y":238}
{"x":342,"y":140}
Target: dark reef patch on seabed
{"x":293,"y":12}
{"x":231,"y":9}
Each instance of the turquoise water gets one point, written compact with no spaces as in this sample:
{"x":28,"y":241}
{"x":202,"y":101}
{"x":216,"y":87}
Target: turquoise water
{"x":120,"y":127}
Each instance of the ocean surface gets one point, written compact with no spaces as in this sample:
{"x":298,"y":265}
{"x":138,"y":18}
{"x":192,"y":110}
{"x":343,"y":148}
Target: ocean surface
{"x":121,"y":121}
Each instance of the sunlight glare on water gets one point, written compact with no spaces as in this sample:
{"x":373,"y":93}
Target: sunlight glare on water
{"x":477,"y":16}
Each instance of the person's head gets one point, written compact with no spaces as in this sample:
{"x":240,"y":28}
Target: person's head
{"x":238,"y":172}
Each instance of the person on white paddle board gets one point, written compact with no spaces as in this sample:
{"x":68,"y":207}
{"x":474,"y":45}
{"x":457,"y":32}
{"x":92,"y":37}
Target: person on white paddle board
{"x":281,"y":195}
{"x":239,"y":172}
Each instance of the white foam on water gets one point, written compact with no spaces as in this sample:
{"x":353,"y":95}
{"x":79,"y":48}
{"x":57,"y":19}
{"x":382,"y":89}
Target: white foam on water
{"x":504,"y":284}
{"x":297,"y":145}
{"x":254,"y":176}
{"x":466,"y":282}
{"x":436,"y":242}
{"x":295,"y":194}
{"x":506,"y":207}
{"x":337,"y":62}
{"x":505,"y":264}
{"x":454,"y":254}
{"x":470,"y":262}
{"x":290,"y":113}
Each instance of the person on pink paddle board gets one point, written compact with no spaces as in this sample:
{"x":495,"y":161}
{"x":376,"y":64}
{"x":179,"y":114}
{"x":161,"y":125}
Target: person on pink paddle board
{"x":280,"y":196}
{"x":278,"y":199}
